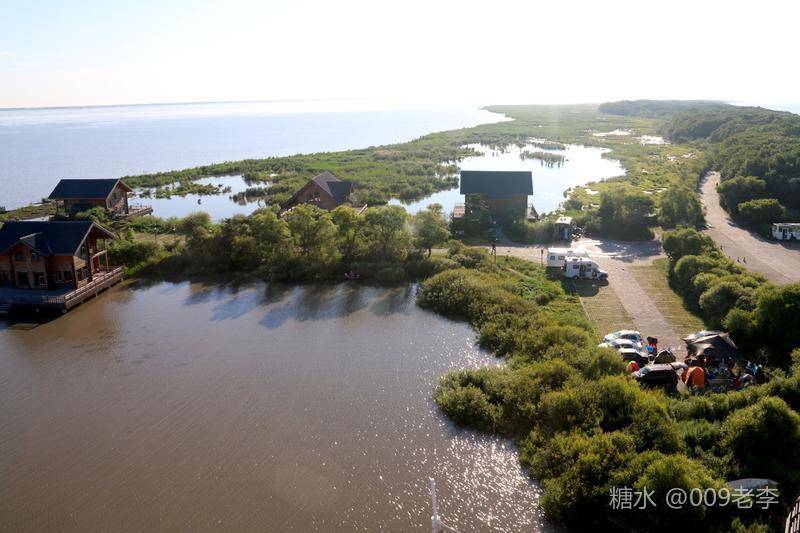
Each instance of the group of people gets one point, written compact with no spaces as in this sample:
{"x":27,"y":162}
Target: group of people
{"x":704,"y":371}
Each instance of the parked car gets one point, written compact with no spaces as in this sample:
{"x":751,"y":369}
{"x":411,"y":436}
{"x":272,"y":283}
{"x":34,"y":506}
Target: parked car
{"x":631,"y":354}
{"x":618,"y":344}
{"x":666,"y":375}
{"x":628,"y":334}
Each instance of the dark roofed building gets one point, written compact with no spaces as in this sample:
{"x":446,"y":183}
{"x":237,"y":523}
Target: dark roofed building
{"x":39,"y":260}
{"x":82,"y":194}
{"x":505,"y":193}
{"x":324,"y":190}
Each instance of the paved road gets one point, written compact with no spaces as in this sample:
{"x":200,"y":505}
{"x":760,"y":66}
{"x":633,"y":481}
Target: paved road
{"x":777,"y":261}
{"x":616,"y":257}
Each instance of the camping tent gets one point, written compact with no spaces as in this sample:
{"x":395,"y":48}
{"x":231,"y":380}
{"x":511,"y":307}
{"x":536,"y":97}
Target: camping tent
{"x":719,"y":346}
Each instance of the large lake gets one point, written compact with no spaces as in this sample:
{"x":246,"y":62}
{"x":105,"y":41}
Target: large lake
{"x":40,"y":146}
{"x":581,"y":165}
{"x":176,"y":407}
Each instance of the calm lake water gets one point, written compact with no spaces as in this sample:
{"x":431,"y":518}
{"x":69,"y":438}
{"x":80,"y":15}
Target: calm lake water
{"x":270,"y":408}
{"x":40,"y":146}
{"x":582,"y":165}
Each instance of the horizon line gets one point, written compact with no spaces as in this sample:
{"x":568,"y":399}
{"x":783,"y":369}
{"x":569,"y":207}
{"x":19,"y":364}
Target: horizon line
{"x":199,"y":102}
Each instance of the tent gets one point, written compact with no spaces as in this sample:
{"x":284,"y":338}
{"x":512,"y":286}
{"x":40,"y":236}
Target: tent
{"x":719,"y":346}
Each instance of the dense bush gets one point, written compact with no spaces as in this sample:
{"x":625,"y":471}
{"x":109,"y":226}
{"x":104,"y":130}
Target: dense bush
{"x":679,"y":206}
{"x":762,"y":211}
{"x":751,"y":435}
{"x":758,"y":313}
{"x":623,"y":213}
{"x":583,"y":426}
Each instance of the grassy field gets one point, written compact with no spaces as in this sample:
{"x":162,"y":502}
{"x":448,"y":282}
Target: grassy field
{"x":653,"y":279}
{"x":603,"y":308}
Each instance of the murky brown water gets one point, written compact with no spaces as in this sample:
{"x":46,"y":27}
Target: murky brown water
{"x":187,"y":406}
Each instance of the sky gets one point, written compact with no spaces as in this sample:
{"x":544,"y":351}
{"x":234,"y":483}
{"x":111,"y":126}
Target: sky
{"x":64,"y":53}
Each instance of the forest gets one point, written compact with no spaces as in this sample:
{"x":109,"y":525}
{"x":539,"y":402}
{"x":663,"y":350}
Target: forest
{"x":756,"y":151}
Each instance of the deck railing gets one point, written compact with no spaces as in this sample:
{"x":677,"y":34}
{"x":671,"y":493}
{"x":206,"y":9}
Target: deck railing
{"x":102,"y":280}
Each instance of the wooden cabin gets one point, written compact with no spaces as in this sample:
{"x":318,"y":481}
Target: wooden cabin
{"x":505,"y":193}
{"x":325,"y":191}
{"x":56,"y":263}
{"x":81,"y":194}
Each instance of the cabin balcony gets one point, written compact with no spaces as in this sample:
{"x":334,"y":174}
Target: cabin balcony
{"x":60,"y":299}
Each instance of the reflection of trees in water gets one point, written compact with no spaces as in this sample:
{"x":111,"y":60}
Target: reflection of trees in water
{"x":329,"y":302}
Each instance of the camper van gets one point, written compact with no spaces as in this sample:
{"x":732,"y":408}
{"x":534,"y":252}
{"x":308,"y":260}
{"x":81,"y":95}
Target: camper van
{"x":584,"y":268}
{"x":557,"y":257}
{"x":786,"y":231}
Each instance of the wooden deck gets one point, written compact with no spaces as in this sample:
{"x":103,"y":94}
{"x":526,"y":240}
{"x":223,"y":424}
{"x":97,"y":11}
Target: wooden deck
{"x":59,"y":300}
{"x":136,"y":210}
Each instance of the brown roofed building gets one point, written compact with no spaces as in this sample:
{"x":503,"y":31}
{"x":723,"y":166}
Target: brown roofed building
{"x":57,"y":263}
{"x":324,"y":190}
{"x":82,"y":194}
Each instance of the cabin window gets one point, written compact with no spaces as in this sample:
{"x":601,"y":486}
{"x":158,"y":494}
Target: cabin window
{"x":83,"y":251}
{"x":79,"y":274}
{"x":67,"y":275}
{"x":35,"y":256}
{"x":86,"y":272}
{"x":19,"y":256}
{"x":40,"y":279}
{"x":58,"y":277}
{"x":552,"y":258}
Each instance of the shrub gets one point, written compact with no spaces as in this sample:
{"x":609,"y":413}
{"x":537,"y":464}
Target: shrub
{"x":751,"y":434}
{"x":468,"y":406}
{"x":762,"y":211}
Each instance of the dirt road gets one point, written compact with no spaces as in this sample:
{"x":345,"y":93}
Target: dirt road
{"x":777,"y":261}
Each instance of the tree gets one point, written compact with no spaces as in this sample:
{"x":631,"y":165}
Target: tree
{"x":430,"y":228}
{"x":685,"y":241}
{"x":313,"y":233}
{"x":386,"y":234}
{"x":625,"y":213}
{"x":720,"y":298}
{"x":349,"y":232}
{"x":740,"y":189}
{"x":762,"y":211}
{"x":272,"y":236}
{"x":679,"y":205}
{"x":751,"y":434}
{"x":778,"y":318}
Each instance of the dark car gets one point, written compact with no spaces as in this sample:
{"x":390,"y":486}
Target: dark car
{"x":665,"y":375}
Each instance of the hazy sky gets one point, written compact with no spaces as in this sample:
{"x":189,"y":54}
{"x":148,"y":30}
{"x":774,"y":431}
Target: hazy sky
{"x":104,"y":52}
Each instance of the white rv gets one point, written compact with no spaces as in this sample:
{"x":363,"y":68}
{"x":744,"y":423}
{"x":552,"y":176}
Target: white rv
{"x":583,"y":268}
{"x":786,"y":231}
{"x":557,"y":257}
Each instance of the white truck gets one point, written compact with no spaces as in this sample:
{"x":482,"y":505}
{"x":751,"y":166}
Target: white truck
{"x":584,"y":268}
{"x":786,"y":231}
{"x":557,"y":257}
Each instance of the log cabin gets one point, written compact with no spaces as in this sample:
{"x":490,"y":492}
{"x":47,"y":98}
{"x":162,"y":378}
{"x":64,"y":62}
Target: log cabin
{"x":505,"y":193}
{"x":324,"y":190}
{"x":55,"y":264}
{"x":81,"y":194}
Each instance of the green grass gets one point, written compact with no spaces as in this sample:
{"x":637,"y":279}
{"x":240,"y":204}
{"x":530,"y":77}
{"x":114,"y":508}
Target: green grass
{"x":653,"y":279}
{"x":603,"y":307}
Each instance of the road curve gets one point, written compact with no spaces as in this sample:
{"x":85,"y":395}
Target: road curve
{"x":777,"y":261}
